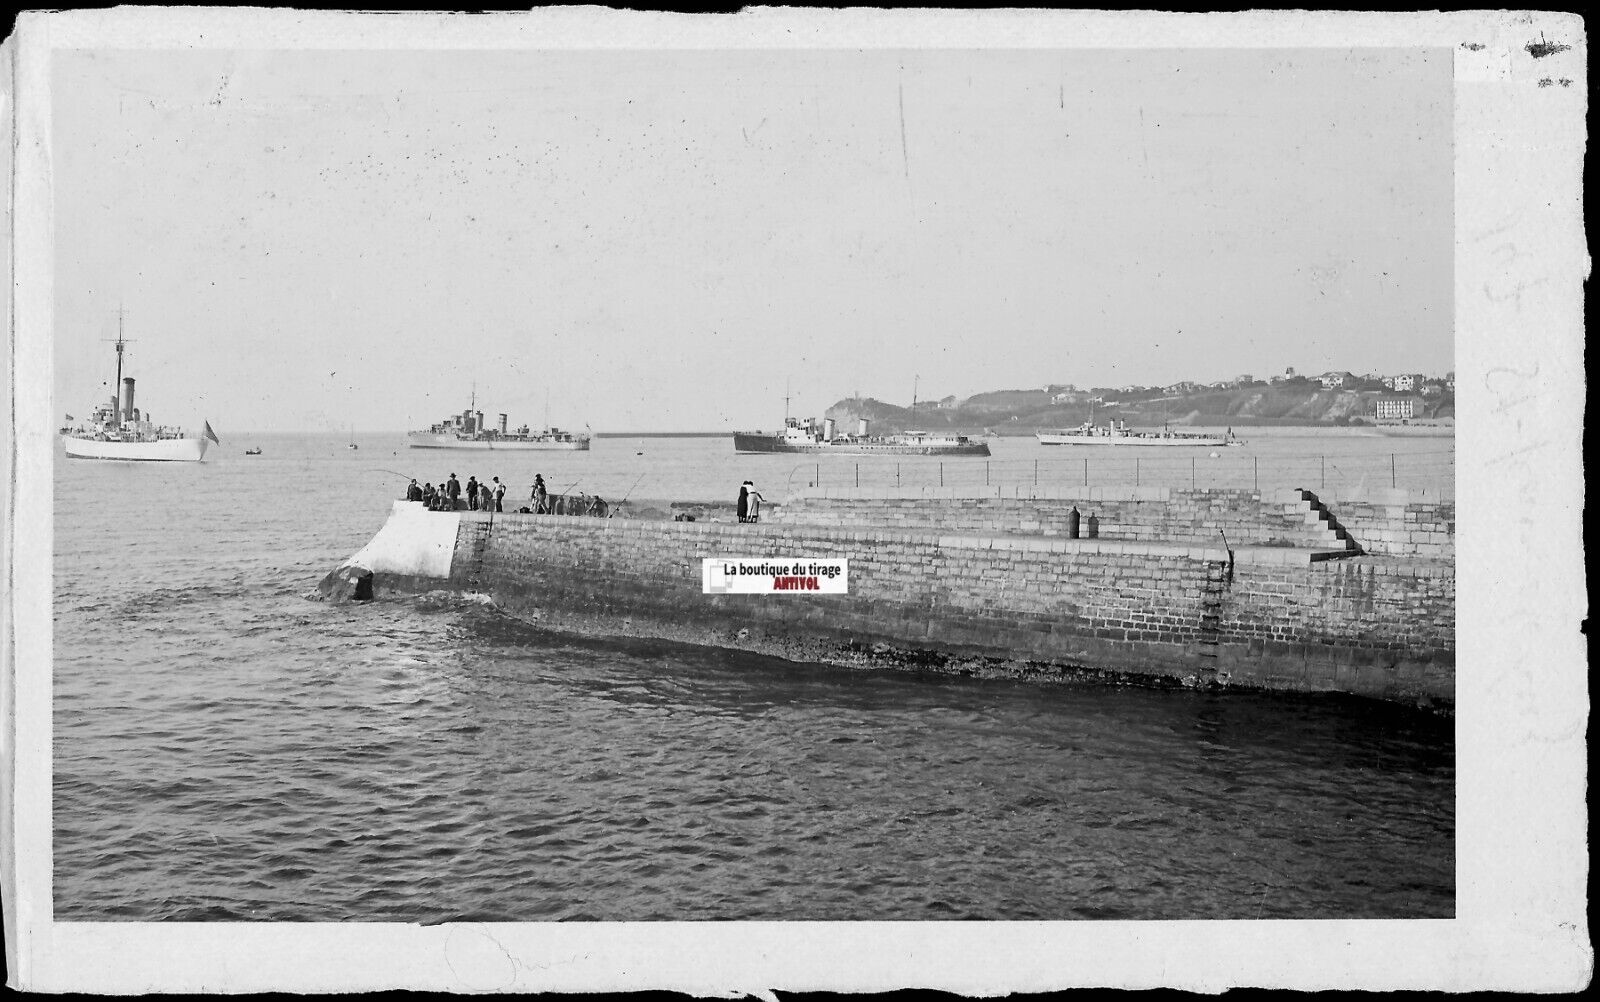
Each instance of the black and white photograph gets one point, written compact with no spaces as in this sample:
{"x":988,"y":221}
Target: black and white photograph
{"x":804,"y":499}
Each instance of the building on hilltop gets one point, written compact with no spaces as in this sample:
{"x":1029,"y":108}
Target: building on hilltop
{"x":1334,"y":380}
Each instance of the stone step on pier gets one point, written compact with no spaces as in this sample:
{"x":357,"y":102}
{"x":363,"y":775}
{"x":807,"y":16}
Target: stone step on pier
{"x":1320,"y":520}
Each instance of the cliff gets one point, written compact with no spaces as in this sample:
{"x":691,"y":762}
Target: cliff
{"x":1022,"y":412}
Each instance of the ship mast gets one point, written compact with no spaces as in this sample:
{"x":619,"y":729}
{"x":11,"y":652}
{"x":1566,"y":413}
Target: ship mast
{"x":116,"y":387}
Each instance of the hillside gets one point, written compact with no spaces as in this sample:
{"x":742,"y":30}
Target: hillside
{"x":1022,"y":412}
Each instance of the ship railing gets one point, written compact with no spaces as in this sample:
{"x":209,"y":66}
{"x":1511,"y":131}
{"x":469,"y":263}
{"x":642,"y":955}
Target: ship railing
{"x":1221,"y":469}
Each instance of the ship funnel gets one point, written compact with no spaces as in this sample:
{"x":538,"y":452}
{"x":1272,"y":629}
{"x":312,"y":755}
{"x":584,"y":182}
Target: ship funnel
{"x":127,"y":398}
{"x":502,"y":424}
{"x":827,"y":429}
{"x":861,"y":428}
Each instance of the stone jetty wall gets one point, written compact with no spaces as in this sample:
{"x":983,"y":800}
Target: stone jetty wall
{"x":1388,"y":522}
{"x":1278,"y":617}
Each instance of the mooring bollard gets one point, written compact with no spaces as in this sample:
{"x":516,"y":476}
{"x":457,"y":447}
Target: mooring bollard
{"x":1072,"y":523}
{"x":1094,"y":526}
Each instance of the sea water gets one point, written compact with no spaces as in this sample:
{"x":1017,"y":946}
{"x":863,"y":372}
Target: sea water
{"x":226,"y":747}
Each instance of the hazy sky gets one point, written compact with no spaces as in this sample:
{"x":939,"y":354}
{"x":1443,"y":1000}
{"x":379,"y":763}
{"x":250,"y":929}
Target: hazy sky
{"x":662,"y":240}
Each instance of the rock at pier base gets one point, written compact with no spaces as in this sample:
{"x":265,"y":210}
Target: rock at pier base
{"x":347,"y":584}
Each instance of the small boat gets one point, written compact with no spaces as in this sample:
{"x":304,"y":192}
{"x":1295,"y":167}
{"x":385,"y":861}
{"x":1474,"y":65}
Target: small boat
{"x":253,"y":452}
{"x":118,"y":430}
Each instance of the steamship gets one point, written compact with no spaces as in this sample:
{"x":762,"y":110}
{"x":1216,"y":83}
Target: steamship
{"x":119,"y":430}
{"x":805,"y":436}
{"x":466,"y":431}
{"x":1118,"y":433}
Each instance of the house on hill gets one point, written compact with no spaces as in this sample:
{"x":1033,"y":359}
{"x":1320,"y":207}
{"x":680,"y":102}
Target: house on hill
{"x":1334,"y":380}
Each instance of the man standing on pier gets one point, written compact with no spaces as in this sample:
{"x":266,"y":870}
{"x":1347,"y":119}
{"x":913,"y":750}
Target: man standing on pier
{"x":452,"y":490}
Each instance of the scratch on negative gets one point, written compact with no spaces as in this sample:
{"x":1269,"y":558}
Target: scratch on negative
{"x":904,"y":157}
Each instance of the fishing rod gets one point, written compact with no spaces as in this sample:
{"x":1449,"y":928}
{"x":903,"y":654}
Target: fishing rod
{"x":630,"y":489}
{"x":611,"y":511}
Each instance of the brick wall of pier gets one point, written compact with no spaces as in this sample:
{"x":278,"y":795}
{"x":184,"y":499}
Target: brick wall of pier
{"x":1281,"y":620}
{"x":1386,"y":522}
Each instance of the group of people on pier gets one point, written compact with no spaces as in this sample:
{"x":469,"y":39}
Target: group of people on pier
{"x":488,"y":495}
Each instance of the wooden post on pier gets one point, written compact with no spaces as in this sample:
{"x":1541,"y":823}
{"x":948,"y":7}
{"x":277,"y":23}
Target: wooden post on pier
{"x":1255,"y":465}
{"x":858,"y":474}
{"x":986,"y":473}
{"x":1136,"y":471}
{"x":1086,"y":471}
{"x":941,"y":474}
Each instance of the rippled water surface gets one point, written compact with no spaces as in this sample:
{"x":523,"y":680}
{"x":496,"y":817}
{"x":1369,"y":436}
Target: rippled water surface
{"x":228,"y":748}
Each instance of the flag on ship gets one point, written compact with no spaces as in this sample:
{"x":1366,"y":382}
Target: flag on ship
{"x":211,"y":434}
